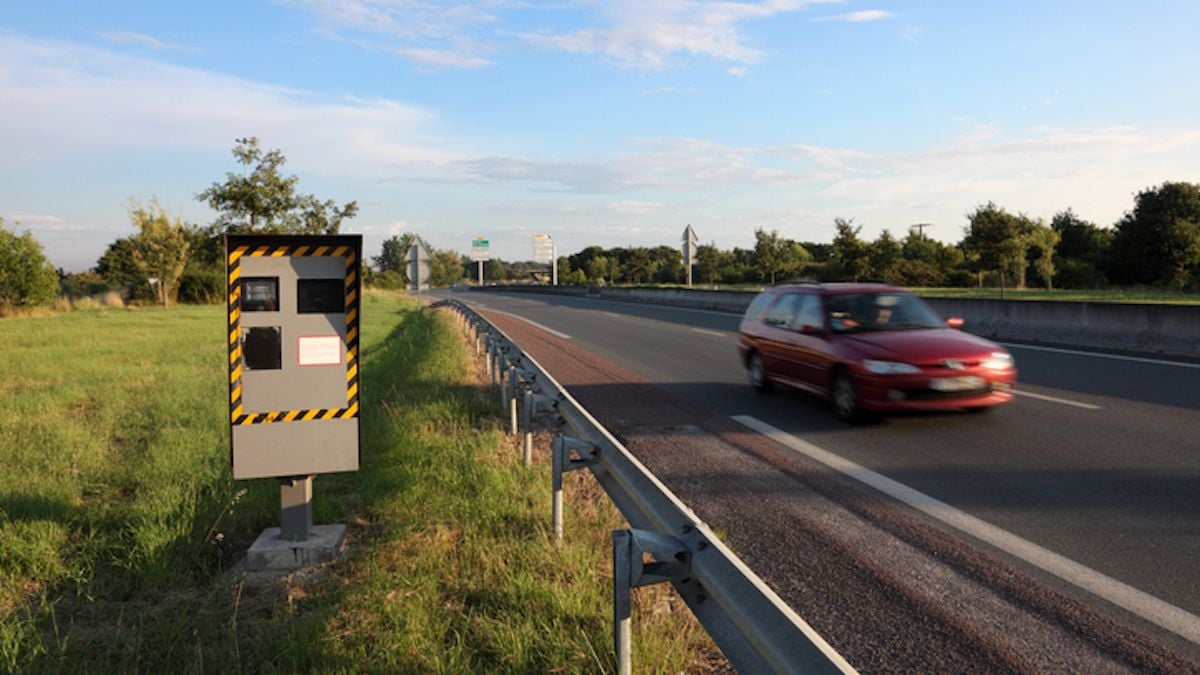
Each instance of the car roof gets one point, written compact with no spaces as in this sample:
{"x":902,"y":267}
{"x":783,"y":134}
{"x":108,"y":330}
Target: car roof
{"x":834,"y":287}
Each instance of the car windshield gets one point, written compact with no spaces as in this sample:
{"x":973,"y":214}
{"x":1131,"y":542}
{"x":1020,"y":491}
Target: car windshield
{"x":870,"y":312}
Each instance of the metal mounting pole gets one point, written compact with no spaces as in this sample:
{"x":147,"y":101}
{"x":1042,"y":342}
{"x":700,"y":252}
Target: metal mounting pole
{"x":671,"y":561}
{"x":528,"y":403}
{"x":295,"y":507}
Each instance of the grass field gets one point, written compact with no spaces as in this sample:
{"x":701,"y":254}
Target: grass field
{"x":119,"y":522}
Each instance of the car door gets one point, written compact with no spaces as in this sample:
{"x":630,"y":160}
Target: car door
{"x":774,"y":343}
{"x":809,"y":345}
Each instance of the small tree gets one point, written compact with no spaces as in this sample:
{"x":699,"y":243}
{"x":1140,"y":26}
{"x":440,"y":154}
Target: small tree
{"x":261,"y":200}
{"x":160,"y":248}
{"x":1042,"y":240}
{"x":850,"y":254}
{"x":770,"y":254}
{"x":885,"y":255}
{"x":997,"y":239}
{"x":27,"y":279}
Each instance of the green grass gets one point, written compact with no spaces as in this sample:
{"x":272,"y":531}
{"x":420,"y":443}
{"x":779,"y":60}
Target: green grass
{"x":119,"y":522}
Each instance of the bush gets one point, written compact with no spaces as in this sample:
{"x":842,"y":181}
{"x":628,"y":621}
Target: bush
{"x":1079,"y":274}
{"x":27,"y":279}
{"x":83,"y":284}
{"x":201,"y":285}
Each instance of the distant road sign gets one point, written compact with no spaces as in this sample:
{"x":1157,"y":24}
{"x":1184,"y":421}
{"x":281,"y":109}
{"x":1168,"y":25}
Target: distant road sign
{"x":418,"y":268}
{"x":543,"y":248}
{"x":480,"y":249}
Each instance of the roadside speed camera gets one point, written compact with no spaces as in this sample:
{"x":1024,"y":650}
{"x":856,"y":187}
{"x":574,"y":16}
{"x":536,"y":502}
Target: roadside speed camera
{"x":293,"y":354}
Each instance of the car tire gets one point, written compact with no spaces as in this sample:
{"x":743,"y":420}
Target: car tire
{"x":758,"y":374}
{"x":844,"y":397}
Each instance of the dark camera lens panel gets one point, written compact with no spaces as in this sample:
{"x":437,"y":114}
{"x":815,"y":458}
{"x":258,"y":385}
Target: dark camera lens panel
{"x":320,"y":296}
{"x":262,"y":349}
{"x":260,"y":294}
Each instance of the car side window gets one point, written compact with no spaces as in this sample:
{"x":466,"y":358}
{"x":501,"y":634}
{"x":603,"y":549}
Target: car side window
{"x":756,"y":308}
{"x":808,"y":314}
{"x":783,"y":311}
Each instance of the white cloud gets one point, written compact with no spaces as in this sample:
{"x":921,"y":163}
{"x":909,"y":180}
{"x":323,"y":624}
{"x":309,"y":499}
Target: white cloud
{"x":440,"y":58}
{"x":429,"y":33}
{"x":738,"y":71}
{"x":78,"y":100}
{"x":129,"y":38}
{"x":863,"y":16}
{"x":646,"y":35}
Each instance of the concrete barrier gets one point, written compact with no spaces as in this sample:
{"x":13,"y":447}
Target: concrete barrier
{"x":1172,"y":330}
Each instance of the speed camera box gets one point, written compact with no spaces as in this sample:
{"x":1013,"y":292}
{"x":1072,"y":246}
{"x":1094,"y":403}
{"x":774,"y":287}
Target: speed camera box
{"x":293,"y":354}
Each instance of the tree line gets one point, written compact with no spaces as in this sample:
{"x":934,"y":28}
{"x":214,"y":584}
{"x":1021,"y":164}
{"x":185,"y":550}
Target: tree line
{"x":1156,"y":243}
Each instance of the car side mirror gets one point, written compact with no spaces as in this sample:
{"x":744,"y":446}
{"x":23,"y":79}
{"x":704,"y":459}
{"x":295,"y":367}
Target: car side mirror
{"x":955,"y":322}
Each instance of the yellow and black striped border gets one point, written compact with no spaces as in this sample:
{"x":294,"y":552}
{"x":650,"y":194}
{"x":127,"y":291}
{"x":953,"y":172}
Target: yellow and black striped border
{"x":235,"y":251}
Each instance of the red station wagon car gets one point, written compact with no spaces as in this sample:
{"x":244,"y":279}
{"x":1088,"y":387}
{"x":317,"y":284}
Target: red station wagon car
{"x":870,"y":348}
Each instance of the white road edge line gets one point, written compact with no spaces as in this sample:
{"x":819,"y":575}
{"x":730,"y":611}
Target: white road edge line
{"x":535,"y":324}
{"x":1150,"y":608}
{"x":1052,"y":399}
{"x":1100,"y":355}
{"x":614,"y":315}
{"x":715,"y":333}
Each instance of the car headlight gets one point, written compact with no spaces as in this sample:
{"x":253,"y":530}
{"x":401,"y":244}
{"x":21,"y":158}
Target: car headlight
{"x":998,"y":361}
{"x":889,"y":367}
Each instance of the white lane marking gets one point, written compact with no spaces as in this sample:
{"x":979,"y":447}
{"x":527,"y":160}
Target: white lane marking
{"x":716,"y":333}
{"x":535,"y":324}
{"x":614,"y":315}
{"x":1115,"y":357}
{"x":1150,"y":608}
{"x":1041,"y":397}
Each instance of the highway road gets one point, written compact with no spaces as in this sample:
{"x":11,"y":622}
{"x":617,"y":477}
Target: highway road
{"x":1089,"y":480}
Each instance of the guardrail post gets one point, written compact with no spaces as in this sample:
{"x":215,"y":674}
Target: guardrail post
{"x":562,"y":462}
{"x":512,"y":398}
{"x":534,"y":404}
{"x":490,"y":373}
{"x":672,"y":561}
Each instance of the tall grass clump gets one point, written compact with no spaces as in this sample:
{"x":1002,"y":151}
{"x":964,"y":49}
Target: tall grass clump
{"x":120,"y":527}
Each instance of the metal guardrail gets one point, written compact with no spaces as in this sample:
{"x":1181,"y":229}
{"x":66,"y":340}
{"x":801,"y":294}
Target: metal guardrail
{"x":753,"y":627}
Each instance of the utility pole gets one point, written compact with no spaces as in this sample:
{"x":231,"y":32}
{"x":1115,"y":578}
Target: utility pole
{"x":920,"y":228}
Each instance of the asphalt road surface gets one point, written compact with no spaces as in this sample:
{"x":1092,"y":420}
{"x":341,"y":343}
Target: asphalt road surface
{"x":1089,"y":480}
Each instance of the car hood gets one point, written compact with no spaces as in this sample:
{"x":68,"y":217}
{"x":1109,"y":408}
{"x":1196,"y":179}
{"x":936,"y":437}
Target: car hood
{"x":919,"y":346}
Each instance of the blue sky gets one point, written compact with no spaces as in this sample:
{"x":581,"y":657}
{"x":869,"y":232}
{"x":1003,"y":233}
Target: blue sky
{"x":614,"y":123}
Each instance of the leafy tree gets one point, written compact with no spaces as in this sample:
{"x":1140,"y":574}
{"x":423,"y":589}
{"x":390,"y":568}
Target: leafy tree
{"x":709,"y":260}
{"x":117,"y":268}
{"x":1042,"y":241}
{"x":639,"y":266}
{"x":997,"y":239}
{"x":602,"y":269}
{"x":1081,"y":239}
{"x":885,"y":255}
{"x":1159,"y":241}
{"x":261,"y":200}
{"x":160,"y":248}
{"x":445,"y":269}
{"x":850,"y":255}
{"x":770,"y":253}
{"x":27,"y":278}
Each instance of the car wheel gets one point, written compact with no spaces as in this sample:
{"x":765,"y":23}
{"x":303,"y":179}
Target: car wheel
{"x":845,"y":397}
{"x":758,"y":374}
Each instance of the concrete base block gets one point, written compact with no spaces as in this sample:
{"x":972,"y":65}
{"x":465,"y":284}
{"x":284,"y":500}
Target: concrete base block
{"x":269,"y":552}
